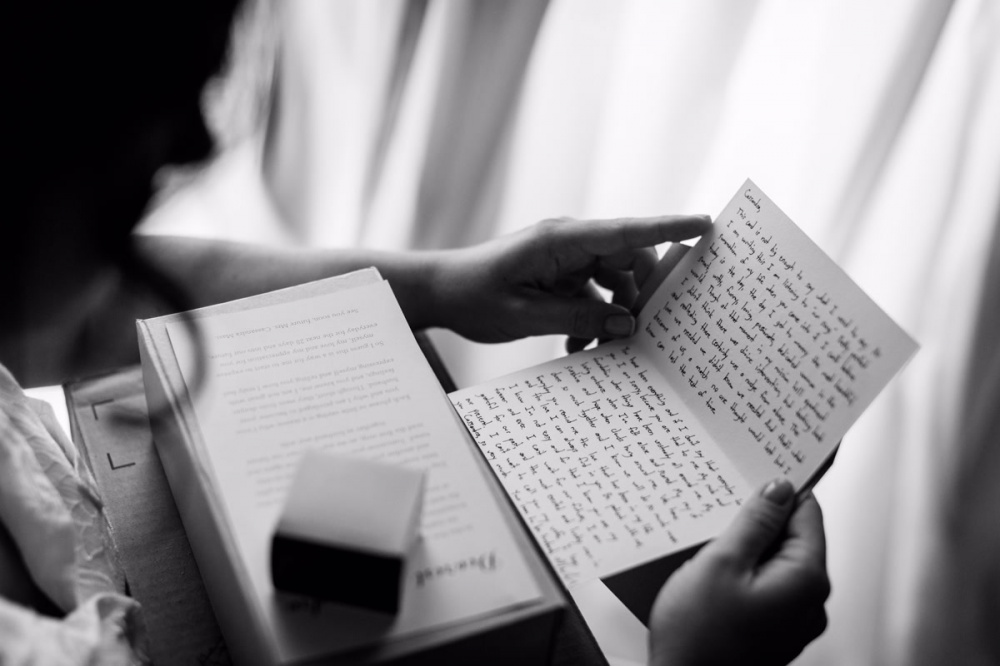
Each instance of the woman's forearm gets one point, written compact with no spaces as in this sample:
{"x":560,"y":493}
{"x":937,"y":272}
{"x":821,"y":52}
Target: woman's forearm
{"x":210,"y":271}
{"x":205,"y":272}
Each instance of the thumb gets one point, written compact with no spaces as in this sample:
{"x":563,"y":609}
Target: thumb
{"x":759,"y":523}
{"x":579,"y":318}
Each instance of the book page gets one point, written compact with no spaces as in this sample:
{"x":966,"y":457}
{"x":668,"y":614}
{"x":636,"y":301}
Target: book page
{"x":602,"y":460}
{"x":343,"y":373}
{"x":768,"y":341}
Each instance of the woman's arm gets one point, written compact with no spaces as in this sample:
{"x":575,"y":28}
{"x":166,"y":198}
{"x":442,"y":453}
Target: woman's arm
{"x":539,"y":281}
{"x":215,"y":271}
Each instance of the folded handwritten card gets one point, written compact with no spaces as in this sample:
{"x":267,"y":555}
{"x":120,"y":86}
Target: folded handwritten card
{"x":750,"y":361}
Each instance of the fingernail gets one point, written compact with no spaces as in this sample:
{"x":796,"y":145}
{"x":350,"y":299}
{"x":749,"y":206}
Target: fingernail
{"x":779,"y":492}
{"x":619,"y":325}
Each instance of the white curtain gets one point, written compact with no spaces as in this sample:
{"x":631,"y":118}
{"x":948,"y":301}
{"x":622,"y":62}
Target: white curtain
{"x":874,"y":125}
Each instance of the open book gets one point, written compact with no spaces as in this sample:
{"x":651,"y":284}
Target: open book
{"x":750,"y":361}
{"x":332,"y":365}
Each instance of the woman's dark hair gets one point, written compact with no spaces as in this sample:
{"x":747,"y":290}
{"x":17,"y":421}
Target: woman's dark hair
{"x":100,"y":97}
{"x":100,"y":88}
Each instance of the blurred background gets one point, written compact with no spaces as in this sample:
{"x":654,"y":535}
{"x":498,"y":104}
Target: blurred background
{"x":874,"y":125}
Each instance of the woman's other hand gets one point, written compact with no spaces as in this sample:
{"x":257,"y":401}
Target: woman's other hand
{"x":754,"y":595}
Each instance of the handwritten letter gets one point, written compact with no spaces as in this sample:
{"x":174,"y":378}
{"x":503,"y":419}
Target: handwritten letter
{"x":750,"y":361}
{"x":768,"y":341}
{"x":600,"y":459}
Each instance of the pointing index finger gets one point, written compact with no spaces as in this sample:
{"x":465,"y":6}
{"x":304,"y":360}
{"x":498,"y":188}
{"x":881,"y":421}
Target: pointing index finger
{"x":604,"y":237}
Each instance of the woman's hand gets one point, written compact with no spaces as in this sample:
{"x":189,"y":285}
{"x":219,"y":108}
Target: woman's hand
{"x":754,"y":595}
{"x":541,"y":281}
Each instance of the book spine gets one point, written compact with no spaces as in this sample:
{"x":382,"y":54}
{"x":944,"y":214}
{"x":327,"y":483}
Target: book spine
{"x":245,"y":631}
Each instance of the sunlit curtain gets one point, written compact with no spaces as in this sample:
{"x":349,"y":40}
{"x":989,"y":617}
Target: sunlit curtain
{"x":432,"y":123}
{"x":874,"y":126}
